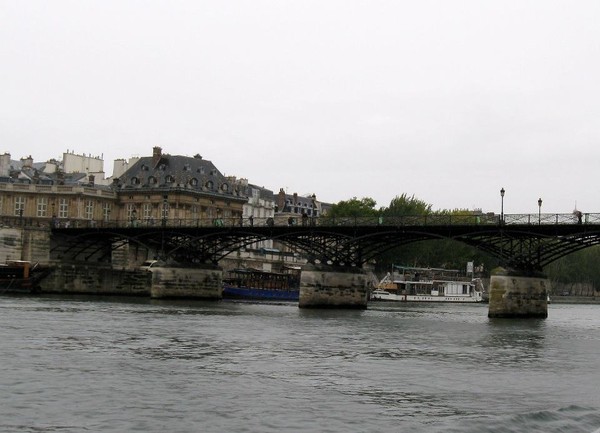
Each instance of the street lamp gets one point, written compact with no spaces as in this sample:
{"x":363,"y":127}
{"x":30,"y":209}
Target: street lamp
{"x":539,"y":211}
{"x":502,"y":205}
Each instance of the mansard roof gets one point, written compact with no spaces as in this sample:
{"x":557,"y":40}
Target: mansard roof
{"x":163,"y":171}
{"x":264,"y":193}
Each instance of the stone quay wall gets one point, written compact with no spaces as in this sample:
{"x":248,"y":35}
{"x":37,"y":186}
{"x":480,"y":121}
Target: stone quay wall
{"x":25,"y":243}
{"x":96,"y":279}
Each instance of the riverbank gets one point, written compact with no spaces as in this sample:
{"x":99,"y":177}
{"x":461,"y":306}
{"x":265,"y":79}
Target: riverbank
{"x":575,"y":300}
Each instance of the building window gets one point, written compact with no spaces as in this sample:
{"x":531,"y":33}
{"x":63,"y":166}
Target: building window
{"x":169,"y":179}
{"x":106,"y":208}
{"x":63,"y":208}
{"x":224,"y":187}
{"x":131,"y":211}
{"x":194,"y":181}
{"x":151,"y":180}
{"x":165,"y":210}
{"x":19,"y":205}
{"x":147,"y":211}
{"x":209,"y":184}
{"x":135,"y":181}
{"x":1,"y":204}
{"x":89,"y":210}
{"x":42,"y":207}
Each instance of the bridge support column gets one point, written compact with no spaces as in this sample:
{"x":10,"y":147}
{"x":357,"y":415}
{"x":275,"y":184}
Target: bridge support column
{"x":170,"y":282}
{"x":327,"y":287}
{"x":517,"y":295}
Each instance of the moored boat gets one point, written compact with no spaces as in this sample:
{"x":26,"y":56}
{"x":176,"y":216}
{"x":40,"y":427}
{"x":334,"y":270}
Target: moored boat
{"x":249,"y":283}
{"x":412,"y":284}
{"x":20,"y":276}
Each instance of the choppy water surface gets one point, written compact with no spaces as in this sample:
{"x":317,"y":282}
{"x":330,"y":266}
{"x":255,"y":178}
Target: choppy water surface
{"x":123,"y":365}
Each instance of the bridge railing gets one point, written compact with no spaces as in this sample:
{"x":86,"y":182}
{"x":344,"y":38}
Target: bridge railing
{"x":325,"y":221}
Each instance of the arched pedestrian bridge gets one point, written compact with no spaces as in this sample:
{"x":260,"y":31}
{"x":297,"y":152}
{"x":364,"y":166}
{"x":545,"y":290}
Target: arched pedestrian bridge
{"x":525,"y":242}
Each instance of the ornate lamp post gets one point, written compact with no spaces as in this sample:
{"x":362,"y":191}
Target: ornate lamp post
{"x":539,"y":211}
{"x":502,"y":205}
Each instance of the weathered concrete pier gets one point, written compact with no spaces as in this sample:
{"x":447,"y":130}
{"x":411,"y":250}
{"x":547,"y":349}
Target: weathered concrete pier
{"x":328,"y":287}
{"x":518,"y":295}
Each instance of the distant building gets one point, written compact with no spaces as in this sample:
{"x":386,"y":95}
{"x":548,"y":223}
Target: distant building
{"x":297,"y":206}
{"x":46,"y":192}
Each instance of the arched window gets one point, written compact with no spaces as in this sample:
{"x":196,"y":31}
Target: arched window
{"x":151,"y":180}
{"x":135,"y":181}
{"x":194,"y":181}
{"x":169,"y":179}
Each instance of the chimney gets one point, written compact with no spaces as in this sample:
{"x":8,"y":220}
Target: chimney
{"x":27,"y":162}
{"x":156,"y":154}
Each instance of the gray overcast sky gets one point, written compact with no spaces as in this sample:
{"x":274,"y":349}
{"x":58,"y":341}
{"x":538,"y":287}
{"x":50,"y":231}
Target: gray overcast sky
{"x":446,"y":100}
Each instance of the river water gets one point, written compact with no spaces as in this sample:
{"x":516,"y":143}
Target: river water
{"x":125,"y":365}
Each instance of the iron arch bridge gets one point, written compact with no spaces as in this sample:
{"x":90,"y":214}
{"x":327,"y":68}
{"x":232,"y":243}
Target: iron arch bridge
{"x":526,"y":242}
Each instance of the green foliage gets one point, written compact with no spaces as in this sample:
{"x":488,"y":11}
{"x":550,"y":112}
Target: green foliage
{"x":354,"y":207}
{"x":579,"y":267}
{"x":405,"y":205}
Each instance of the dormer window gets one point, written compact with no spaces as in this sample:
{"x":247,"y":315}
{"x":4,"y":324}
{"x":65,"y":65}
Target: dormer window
{"x":194,"y":181}
{"x":209,"y":184}
{"x":135,"y":181}
{"x":169,"y":179}
{"x":152,"y":180}
{"x":224,"y":187}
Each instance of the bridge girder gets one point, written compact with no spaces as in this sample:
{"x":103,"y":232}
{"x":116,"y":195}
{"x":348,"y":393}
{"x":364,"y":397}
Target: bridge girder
{"x":523,"y":246}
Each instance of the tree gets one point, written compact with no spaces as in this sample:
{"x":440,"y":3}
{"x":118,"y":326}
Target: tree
{"x":405,"y":205}
{"x":365,"y":207}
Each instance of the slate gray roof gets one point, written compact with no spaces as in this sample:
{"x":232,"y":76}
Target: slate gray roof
{"x":174,"y":171}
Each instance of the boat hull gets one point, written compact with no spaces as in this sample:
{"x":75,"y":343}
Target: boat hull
{"x":389,"y":297}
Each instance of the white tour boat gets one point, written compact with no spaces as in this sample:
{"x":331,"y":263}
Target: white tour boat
{"x":410,"y":284}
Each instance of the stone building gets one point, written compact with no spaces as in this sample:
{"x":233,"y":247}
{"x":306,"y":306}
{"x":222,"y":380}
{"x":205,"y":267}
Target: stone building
{"x":183,"y":190}
{"x":43,"y":191}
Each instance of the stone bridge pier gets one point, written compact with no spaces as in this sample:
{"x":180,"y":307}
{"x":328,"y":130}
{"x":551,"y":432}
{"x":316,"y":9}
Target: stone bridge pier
{"x":332,"y":287}
{"x":515,"y":294}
